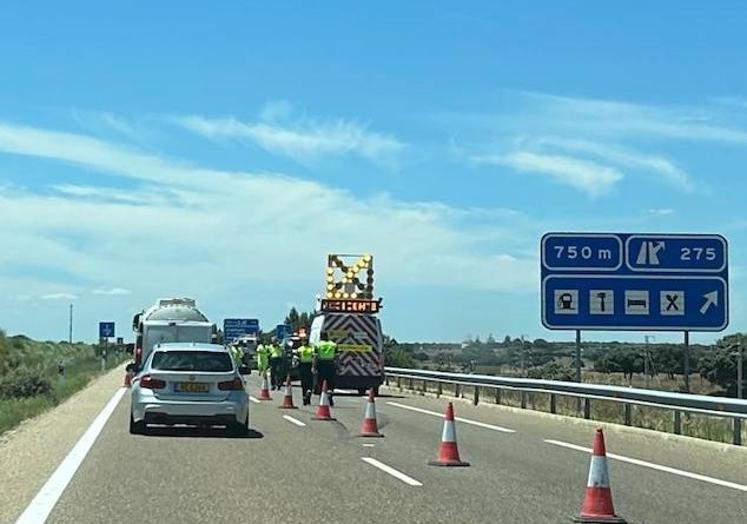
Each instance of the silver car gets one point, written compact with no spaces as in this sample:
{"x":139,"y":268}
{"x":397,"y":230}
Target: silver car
{"x":192,"y":384}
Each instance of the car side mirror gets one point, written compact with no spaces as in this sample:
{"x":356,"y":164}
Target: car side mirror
{"x":244,"y":370}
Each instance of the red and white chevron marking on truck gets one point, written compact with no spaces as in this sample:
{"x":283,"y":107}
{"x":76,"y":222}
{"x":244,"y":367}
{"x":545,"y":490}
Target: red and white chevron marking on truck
{"x":360,"y":364}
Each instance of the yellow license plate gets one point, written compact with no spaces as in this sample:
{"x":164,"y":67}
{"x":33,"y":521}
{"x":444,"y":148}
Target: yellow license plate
{"x":192,"y":387}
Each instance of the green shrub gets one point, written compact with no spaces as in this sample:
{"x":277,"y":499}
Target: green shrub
{"x":23,"y":382}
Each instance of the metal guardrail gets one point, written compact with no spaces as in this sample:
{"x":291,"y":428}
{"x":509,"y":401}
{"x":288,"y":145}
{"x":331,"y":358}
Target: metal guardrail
{"x":678,"y":403}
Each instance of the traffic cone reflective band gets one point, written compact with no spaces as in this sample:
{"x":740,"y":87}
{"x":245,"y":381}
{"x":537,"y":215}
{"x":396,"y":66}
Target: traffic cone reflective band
{"x":597,"y":506}
{"x":370,"y":427}
{"x":264,"y":393}
{"x":448,"y":453}
{"x":288,"y":398}
{"x":323,"y":412}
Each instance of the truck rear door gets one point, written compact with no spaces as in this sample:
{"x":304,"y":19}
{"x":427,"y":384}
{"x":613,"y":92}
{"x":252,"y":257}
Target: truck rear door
{"x":359,"y":342}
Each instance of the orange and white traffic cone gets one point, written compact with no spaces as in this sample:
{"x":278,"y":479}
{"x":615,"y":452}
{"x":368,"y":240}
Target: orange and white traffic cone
{"x":323,"y":412}
{"x":448,"y":453}
{"x":264,"y":393}
{"x":370,"y":426}
{"x":597,"y":506}
{"x":288,"y":398}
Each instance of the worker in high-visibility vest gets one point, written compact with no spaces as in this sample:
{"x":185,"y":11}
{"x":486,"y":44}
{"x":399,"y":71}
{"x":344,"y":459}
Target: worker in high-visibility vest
{"x":305,"y":355}
{"x":237,"y":353}
{"x":276,"y":365}
{"x":325,"y":363}
{"x":263,"y":359}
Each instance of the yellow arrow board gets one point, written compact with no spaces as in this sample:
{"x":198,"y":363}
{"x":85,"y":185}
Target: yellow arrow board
{"x":349,"y":277}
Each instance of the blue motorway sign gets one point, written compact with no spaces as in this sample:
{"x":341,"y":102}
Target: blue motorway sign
{"x":106,"y":329}
{"x":282,"y":331}
{"x":647,"y":282}
{"x":234,"y":328}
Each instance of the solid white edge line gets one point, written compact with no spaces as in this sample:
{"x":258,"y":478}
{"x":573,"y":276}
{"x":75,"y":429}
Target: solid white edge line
{"x":44,"y":502}
{"x":391,"y":471}
{"x":657,"y":467}
{"x":458,"y":419}
{"x":255,"y":400}
{"x":294,"y":421}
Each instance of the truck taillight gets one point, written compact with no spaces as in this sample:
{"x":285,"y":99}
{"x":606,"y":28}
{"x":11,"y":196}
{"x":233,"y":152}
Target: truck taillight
{"x":149,"y":382}
{"x":138,"y":356}
{"x":232,"y":385}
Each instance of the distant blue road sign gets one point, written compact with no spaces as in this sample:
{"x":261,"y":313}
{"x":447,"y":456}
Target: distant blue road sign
{"x":644,"y":282}
{"x":282,"y":331}
{"x":234,"y":328}
{"x":106,"y":330}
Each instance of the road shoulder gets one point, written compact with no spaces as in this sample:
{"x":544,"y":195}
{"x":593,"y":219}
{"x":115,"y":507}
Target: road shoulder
{"x":31,"y":452}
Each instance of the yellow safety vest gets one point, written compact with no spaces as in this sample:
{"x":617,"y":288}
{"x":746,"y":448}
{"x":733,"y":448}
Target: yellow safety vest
{"x":275,"y":351}
{"x":263,"y":355}
{"x":305,"y":354}
{"x":326,"y":350}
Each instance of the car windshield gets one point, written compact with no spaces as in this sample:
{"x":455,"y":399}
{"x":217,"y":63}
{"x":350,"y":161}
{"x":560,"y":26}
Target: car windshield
{"x":191,"y":361}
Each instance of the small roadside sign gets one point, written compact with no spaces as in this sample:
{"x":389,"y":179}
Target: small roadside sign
{"x":282,"y":331}
{"x":106,"y":330}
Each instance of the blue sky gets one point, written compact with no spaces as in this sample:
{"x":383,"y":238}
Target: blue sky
{"x":221,"y":150}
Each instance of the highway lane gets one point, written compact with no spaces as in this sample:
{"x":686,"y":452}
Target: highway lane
{"x":187,"y":476}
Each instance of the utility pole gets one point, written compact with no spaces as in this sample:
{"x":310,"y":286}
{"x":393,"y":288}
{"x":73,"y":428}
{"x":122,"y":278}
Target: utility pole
{"x":523,"y":358}
{"x":70,"y":326}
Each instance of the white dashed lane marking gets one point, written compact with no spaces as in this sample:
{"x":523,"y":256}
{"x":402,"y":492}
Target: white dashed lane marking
{"x":657,"y":467}
{"x":294,"y":421}
{"x":458,"y":419}
{"x":391,"y":471}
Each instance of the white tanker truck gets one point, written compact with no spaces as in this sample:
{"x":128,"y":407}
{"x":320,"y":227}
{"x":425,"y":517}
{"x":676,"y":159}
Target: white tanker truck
{"x":170,"y":320}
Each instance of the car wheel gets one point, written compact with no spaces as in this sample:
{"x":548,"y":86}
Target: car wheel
{"x":137,"y":428}
{"x":241,"y":429}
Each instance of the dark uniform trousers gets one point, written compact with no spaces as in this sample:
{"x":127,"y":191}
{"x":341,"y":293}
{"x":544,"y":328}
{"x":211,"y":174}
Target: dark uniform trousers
{"x":307,"y":377}
{"x":326,"y":371}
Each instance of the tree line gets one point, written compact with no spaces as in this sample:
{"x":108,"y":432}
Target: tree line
{"x":540,"y":358}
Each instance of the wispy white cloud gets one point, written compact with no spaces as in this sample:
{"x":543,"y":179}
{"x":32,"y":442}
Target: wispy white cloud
{"x":301,"y":138}
{"x":625,"y":157}
{"x":662,"y":212}
{"x":115,"y":291}
{"x":622,"y":138}
{"x":195,"y":231}
{"x":589,"y":177}
{"x":58,"y":296}
{"x":630,"y":120}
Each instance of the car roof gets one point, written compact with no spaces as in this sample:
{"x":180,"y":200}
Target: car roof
{"x":190,"y":346}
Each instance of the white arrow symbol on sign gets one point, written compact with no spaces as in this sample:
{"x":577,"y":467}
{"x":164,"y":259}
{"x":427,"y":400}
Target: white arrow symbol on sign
{"x":711,"y":299}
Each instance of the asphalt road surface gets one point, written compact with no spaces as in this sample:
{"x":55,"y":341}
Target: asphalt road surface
{"x":525,"y":468}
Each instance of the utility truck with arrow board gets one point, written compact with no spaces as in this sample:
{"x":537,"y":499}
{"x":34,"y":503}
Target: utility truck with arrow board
{"x":348,"y":313}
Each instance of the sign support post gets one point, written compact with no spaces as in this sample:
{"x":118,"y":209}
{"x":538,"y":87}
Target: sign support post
{"x":740,"y":370}
{"x":578,"y":355}
{"x":687,"y":362}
